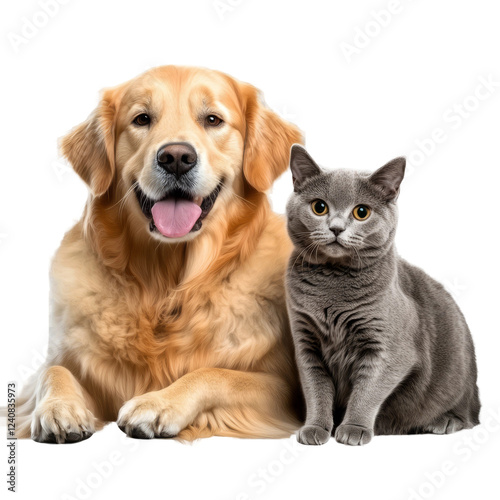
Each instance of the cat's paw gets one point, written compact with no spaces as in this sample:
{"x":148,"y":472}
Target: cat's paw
{"x":313,"y":434}
{"x":446,"y":425}
{"x":354,"y":435}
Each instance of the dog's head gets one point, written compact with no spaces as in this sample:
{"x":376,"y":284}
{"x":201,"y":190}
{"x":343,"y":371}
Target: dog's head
{"x":176,"y":144}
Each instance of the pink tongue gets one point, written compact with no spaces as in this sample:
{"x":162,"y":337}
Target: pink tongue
{"x":175,"y":218}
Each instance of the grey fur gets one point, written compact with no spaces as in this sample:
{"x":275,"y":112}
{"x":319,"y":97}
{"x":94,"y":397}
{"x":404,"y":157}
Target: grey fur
{"x":381,"y":347}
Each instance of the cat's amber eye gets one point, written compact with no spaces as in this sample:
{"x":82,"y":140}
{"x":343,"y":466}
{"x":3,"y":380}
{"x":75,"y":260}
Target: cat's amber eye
{"x":319,"y":207}
{"x":361,"y":212}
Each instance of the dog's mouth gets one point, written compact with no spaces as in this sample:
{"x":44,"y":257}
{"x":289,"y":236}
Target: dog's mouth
{"x":178,"y":213}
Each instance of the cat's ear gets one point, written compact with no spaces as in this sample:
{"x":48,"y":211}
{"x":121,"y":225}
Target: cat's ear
{"x":302,"y":165}
{"x":388,"y":178}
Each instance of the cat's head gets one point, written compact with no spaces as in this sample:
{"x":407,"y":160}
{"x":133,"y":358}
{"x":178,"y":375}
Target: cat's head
{"x":342,"y":215}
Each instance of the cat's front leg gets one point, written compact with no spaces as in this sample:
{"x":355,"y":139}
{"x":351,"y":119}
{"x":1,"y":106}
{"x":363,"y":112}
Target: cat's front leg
{"x":318,"y":389}
{"x":319,"y":392}
{"x":373,"y":383}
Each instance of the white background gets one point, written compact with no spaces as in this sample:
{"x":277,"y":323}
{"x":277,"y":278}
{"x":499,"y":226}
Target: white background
{"x":412,"y":77}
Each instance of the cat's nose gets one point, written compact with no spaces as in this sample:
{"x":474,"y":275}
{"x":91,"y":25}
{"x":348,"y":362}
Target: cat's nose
{"x":336,"y":230}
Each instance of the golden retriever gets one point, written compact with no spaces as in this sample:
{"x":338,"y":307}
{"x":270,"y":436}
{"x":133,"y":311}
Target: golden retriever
{"x":167,"y":297}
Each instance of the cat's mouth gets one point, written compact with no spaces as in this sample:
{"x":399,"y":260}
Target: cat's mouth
{"x":336,"y":242}
{"x":330,"y":243}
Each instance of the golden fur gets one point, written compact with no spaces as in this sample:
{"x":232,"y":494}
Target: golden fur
{"x":188,"y":338}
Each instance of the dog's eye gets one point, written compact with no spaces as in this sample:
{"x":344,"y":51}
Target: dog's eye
{"x":213,"y":121}
{"x":142,"y":120}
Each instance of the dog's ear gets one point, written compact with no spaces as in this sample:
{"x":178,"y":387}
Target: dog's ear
{"x":90,"y":147}
{"x":267,"y":142}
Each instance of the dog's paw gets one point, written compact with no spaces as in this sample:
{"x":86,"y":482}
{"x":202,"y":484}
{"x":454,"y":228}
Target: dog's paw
{"x":62,"y":421}
{"x":354,"y":435}
{"x":313,"y":434}
{"x":152,"y":415}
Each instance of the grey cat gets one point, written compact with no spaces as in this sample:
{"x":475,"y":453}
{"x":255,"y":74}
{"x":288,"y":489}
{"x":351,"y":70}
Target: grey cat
{"x":381,"y":347}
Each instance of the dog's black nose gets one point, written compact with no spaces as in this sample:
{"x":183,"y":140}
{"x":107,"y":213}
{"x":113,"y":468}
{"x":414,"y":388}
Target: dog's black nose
{"x":177,"y":158}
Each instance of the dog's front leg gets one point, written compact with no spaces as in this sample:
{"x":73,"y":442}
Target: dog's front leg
{"x":166,"y":412}
{"x":61,"y":414}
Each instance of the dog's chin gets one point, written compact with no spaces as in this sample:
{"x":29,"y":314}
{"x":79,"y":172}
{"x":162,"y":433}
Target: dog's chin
{"x":155,"y":234}
{"x":205,"y":205}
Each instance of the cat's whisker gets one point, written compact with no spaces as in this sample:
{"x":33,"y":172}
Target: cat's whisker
{"x":311,"y":247}
{"x":314,"y":248}
{"x":321,"y":240}
{"x":298,"y":256}
{"x":309,"y":233}
{"x":317,"y":248}
{"x":309,"y":254}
